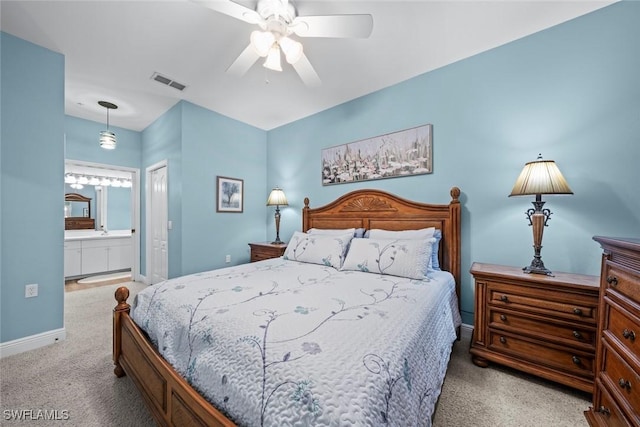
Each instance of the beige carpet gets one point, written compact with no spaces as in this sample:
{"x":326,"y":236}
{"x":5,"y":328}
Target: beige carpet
{"x":76,"y":376}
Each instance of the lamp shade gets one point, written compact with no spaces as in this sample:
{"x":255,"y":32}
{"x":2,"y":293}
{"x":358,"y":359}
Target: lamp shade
{"x":540,"y":177}
{"x":262,"y":41}
{"x":277,"y":198}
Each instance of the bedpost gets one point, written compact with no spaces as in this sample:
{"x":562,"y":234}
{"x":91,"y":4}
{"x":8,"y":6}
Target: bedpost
{"x":305,"y":215}
{"x":122,"y":293}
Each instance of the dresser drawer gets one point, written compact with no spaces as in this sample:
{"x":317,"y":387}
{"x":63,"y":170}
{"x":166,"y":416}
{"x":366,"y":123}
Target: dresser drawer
{"x":538,"y":326}
{"x":623,"y":381}
{"x":623,"y":327}
{"x":622,"y":280}
{"x":579,"y":363}
{"x":551,"y":303}
{"x":608,"y":413}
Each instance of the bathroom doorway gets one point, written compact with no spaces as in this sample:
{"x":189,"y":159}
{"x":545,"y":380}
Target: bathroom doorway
{"x":115,"y":214}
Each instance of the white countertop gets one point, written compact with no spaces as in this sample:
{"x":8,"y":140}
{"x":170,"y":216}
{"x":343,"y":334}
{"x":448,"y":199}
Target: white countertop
{"x":70,"y":235}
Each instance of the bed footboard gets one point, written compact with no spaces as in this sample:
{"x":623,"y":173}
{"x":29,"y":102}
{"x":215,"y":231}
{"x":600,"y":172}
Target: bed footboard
{"x":171,"y":400}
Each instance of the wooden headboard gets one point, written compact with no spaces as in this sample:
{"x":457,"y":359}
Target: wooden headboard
{"x":378,"y":209}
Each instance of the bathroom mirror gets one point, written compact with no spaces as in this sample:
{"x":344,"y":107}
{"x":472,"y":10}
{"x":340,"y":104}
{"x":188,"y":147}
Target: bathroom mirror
{"x":77,"y":212}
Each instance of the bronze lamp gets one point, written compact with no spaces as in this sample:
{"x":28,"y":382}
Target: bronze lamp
{"x":537,"y":178}
{"x":277,"y":199}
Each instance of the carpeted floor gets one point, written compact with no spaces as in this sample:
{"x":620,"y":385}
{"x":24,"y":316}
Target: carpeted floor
{"x":75,"y":378}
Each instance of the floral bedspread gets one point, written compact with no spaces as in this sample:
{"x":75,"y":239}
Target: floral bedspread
{"x":284,"y":343}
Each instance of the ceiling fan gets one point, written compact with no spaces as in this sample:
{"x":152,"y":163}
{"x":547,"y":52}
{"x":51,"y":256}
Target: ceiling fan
{"x":278,"y":20}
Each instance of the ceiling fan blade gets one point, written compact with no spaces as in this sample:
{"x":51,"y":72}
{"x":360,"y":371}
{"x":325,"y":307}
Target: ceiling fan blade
{"x":306,"y":72}
{"x":232,"y":9}
{"x":342,"y":26}
{"x":241,"y":65}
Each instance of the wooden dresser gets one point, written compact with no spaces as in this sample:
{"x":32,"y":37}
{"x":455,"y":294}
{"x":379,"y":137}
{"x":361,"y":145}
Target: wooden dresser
{"x":616,"y":397}
{"x":264,"y":250}
{"x":542,"y":325}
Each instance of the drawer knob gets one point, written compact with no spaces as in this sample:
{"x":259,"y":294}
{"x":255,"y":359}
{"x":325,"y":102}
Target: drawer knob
{"x":504,"y":298}
{"x":504,"y":318}
{"x":503,"y":340}
{"x":612,"y":280}
{"x":577,"y":311}
{"x":630,"y":335}
{"x":577,"y":335}
{"x":576,"y":360}
{"x":604,"y":411}
{"x":624,"y":384}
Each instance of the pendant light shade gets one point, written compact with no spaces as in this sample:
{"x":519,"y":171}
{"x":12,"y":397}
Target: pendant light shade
{"x":107,"y":138}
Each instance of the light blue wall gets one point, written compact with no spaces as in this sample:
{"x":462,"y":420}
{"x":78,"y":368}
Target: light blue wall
{"x":199,"y":145}
{"x":571,"y":93}
{"x":214,"y":145}
{"x":162,"y":140}
{"x":32,"y":156}
{"x":118,"y":208}
{"x":82,"y":143}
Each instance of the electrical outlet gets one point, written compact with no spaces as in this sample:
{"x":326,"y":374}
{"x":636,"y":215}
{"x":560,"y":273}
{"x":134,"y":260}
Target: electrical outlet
{"x":227,"y":258}
{"x":31,"y":290}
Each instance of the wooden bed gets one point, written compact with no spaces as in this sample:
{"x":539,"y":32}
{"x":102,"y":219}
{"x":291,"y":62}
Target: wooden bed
{"x":171,"y":400}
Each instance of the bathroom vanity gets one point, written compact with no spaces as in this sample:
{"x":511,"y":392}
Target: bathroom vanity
{"x":88,"y":252}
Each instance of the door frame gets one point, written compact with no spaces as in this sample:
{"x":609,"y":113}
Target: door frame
{"x":148,"y":237}
{"x":135,"y":207}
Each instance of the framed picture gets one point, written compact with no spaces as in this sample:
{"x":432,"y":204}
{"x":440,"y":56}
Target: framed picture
{"x":404,"y":153}
{"x":229,"y":194}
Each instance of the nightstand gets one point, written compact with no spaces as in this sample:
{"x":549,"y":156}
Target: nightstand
{"x":542,"y":325}
{"x":264,"y":250}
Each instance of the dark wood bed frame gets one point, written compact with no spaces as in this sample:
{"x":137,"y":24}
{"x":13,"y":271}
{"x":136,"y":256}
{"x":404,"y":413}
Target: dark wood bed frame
{"x":171,"y":400}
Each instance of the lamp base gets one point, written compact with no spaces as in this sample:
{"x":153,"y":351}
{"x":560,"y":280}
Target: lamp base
{"x":277,"y":242}
{"x":537,"y":268}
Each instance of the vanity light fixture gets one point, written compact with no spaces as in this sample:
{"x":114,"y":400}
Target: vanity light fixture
{"x":94,"y":180}
{"x":105,"y":182}
{"x":107,"y":138}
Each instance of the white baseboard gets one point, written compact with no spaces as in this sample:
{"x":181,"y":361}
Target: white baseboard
{"x":32,"y":342}
{"x":142,"y":278}
{"x":466,"y":330}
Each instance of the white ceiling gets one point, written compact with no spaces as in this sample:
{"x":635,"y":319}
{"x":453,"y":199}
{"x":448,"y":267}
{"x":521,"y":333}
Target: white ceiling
{"x":112,"y":48}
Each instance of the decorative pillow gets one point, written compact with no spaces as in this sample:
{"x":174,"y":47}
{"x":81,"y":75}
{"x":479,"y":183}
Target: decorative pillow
{"x":435,"y":263}
{"x":357,"y":232}
{"x":396,"y":257}
{"x":324,"y":249}
{"x":423,"y":233}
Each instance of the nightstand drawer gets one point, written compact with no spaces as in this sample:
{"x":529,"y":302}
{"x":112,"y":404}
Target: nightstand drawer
{"x":536,"y":326}
{"x":575,"y":362}
{"x":551,"y":303}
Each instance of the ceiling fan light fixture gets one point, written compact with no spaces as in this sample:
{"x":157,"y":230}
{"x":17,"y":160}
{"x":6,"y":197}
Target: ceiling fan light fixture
{"x":292,"y":49}
{"x":262,"y":41}
{"x":273,"y":59}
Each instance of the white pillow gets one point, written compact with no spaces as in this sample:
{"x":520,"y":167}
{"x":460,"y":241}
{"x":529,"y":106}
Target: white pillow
{"x":423,"y":233}
{"x":332,"y":231}
{"x":321,"y":249}
{"x":396,"y":257}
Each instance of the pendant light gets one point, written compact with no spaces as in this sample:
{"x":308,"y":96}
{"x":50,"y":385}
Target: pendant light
{"x":107,"y":138}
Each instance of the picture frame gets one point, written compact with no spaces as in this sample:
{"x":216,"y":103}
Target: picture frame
{"x":405,"y":153}
{"x":229,"y":194}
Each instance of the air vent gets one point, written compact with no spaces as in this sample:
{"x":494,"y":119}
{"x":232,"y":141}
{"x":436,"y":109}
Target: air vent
{"x":167,"y":81}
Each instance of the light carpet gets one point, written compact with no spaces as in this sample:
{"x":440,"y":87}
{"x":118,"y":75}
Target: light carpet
{"x":75,"y":377}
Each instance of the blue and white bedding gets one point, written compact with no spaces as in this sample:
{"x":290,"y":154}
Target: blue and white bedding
{"x":285,"y":343}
